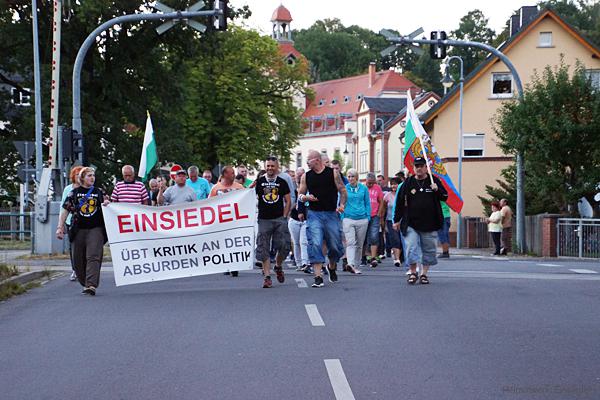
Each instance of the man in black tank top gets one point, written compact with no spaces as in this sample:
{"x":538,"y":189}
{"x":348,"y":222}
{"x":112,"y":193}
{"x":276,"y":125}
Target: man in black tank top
{"x":323,"y":223}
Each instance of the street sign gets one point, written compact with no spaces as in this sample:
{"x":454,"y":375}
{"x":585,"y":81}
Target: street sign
{"x":389,"y":34}
{"x":171,"y":23}
{"x":174,"y":169}
{"x":25,"y":149}
{"x":25,"y":173}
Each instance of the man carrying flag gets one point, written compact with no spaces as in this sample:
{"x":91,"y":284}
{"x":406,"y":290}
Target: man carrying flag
{"x":149,"y":155}
{"x":418,"y":213}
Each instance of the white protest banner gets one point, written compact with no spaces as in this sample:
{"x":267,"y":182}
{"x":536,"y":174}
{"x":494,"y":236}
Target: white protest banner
{"x":204,"y":237}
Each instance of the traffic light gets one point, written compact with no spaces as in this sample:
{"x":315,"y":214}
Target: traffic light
{"x":220,"y":21}
{"x":78,"y":144}
{"x":66,"y":138}
{"x":438,"y":51}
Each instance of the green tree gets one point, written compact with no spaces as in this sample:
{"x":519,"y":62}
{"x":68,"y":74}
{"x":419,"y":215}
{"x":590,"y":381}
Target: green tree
{"x":556,"y":128}
{"x":426,"y":74}
{"x":238,"y":104}
{"x":472,"y":27}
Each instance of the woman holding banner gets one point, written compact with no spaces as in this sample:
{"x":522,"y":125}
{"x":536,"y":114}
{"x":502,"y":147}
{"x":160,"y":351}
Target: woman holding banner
{"x":87,"y":233}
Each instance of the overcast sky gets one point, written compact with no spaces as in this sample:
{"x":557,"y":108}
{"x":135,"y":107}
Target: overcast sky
{"x":402,"y":15}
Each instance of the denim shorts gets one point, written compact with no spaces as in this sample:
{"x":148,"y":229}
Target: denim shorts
{"x":324,"y":226}
{"x":373,"y":231}
{"x":421,"y":247}
{"x":392,"y":236}
{"x":443,"y":235}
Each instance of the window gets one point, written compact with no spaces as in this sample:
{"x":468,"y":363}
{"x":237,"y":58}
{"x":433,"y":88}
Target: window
{"x":473,"y":144}
{"x":321,"y":102}
{"x":298,"y":160}
{"x":363,"y":128}
{"x":359,"y":97}
{"x":501,"y":85}
{"x":346,"y":99}
{"x":20,"y":98}
{"x":363,"y":161}
{"x":545,"y":39}
{"x":378,"y":160}
{"x":594,"y":76}
{"x":334,"y":102}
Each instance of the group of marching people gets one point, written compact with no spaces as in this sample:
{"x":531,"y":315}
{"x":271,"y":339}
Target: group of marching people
{"x":322,"y":216}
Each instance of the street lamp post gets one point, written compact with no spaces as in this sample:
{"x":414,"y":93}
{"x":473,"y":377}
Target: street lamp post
{"x":382,"y":143}
{"x":447,"y":82}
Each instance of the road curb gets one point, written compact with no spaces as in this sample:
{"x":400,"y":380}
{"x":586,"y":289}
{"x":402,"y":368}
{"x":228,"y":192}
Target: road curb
{"x":24,"y":278}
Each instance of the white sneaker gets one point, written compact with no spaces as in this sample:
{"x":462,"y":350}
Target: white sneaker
{"x":73,"y":276}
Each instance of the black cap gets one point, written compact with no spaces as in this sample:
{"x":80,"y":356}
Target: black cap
{"x":419,"y":161}
{"x":181,"y":171}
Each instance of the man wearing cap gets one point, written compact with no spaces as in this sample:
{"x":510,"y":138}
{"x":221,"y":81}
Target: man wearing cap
{"x":178,"y":193}
{"x":419,"y":216}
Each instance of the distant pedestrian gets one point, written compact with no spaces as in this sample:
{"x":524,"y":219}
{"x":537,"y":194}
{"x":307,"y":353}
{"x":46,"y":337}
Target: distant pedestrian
{"x":207,"y":174}
{"x":87,"y":233}
{"x":242,"y":170}
{"x":418,"y":208}
{"x":178,"y":193}
{"x":129,"y":190}
{"x":376,"y":220}
{"x":225,"y":185}
{"x":227,"y":182}
{"x":393,"y":237}
{"x":444,"y":232}
{"x":335,"y":164}
{"x":355,"y":220}
{"x":153,"y":192}
{"x":274,"y":205}
{"x":323,"y":223}
{"x":383,"y":183}
{"x":297,"y":227}
{"x":198,"y":184}
{"x":507,"y":216}
{"x":495,"y":226}
{"x":74,"y":178}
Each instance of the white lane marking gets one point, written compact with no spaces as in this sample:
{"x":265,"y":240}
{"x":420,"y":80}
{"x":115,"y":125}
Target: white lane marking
{"x":301,"y":282}
{"x":548,"y":265}
{"x":583,"y":271}
{"x":313,"y":315}
{"x":339,"y":383}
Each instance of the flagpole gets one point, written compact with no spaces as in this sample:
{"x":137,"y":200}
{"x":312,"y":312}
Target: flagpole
{"x":426,"y":158}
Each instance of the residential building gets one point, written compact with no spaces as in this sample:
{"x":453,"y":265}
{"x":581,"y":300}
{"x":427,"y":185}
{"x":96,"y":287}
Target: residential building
{"x":538,"y":39}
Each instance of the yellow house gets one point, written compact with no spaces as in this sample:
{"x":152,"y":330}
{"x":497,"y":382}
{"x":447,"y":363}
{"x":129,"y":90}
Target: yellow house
{"x":538,"y":39}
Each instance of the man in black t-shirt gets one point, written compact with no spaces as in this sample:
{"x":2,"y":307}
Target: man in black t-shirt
{"x":419,"y":216}
{"x":273,"y":209}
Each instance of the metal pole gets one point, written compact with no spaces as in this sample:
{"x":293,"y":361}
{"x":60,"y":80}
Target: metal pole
{"x":53,"y":151}
{"x":460,"y":147}
{"x":520,"y":163}
{"x":38,"y":95}
{"x":91,"y":39}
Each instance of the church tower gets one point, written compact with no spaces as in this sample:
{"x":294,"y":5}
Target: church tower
{"x":281,"y":19}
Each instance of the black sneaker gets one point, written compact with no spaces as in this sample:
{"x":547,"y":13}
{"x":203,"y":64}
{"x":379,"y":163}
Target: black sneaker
{"x":318,"y":282}
{"x":89,"y":290}
{"x":444,"y":255}
{"x":234,"y":274}
{"x":332,"y":275}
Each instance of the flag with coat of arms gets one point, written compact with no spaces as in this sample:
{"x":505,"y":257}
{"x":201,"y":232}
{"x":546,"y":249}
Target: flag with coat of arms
{"x":418,"y":144}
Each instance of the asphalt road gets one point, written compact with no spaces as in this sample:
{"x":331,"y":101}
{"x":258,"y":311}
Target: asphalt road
{"x":485,"y":328}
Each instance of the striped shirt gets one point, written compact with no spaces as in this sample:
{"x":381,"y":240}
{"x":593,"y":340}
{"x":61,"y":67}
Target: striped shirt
{"x":130,"y":192}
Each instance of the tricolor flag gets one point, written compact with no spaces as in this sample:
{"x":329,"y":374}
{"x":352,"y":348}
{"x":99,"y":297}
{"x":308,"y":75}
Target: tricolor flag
{"x":415,"y":139}
{"x":149,"y":155}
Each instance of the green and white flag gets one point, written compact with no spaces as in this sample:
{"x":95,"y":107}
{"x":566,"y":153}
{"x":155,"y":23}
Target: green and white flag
{"x":149,"y":155}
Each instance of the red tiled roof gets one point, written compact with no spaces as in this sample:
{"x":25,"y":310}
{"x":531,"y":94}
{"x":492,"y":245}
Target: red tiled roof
{"x":287,"y":48}
{"x":281,"y":14}
{"x":352,"y":87}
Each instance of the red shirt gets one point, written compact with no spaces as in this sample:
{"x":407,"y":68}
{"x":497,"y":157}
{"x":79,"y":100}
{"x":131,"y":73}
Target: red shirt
{"x":375,"y":195}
